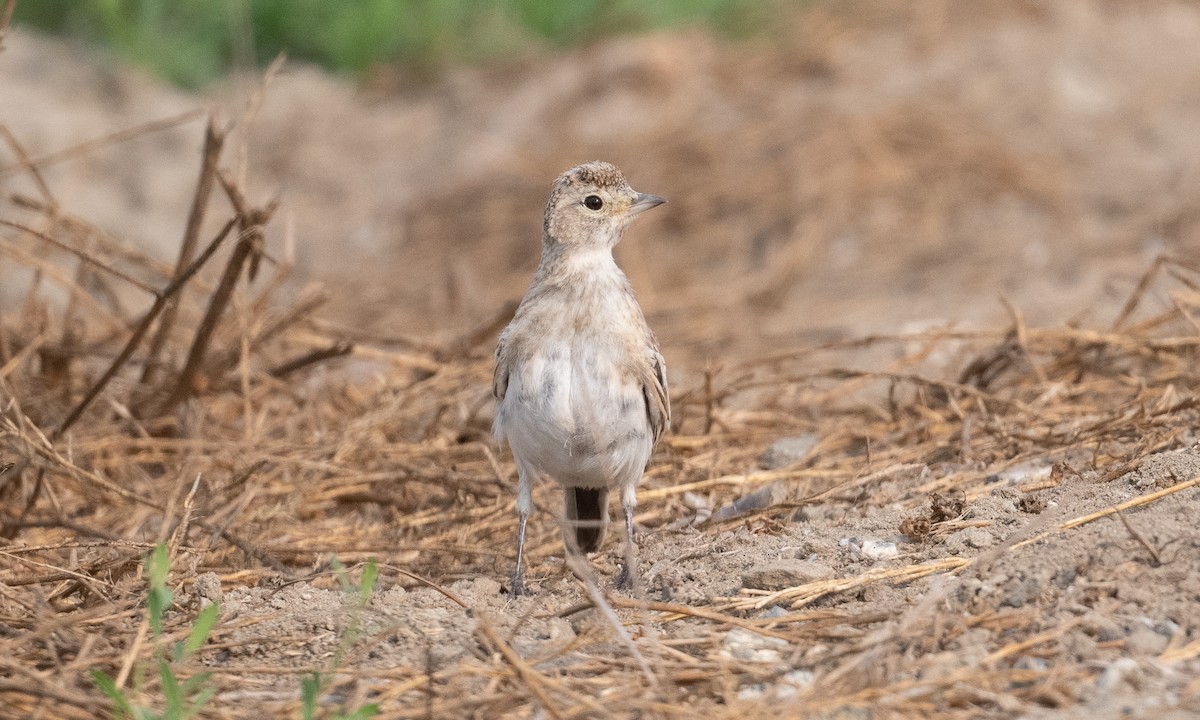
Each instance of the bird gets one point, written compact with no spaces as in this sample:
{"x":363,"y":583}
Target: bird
{"x":579,"y":381}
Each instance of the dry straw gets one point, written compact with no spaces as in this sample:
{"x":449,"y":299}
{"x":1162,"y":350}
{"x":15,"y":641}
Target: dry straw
{"x":201,"y":421}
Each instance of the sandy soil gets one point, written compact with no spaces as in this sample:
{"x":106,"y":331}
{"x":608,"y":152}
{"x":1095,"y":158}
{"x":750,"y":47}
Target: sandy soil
{"x":1100,"y":598}
{"x":878,"y":166}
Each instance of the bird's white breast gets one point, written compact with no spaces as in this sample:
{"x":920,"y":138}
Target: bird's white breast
{"x":572,"y":410}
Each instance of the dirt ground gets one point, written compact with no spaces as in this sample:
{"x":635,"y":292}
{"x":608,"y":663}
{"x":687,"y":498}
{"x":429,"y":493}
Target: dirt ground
{"x":891,"y":284}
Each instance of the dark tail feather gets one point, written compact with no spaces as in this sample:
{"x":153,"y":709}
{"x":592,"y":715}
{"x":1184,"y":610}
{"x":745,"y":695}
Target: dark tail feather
{"x":586,"y":516}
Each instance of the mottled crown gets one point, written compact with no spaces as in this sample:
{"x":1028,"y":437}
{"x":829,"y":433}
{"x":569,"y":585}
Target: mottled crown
{"x":598,"y":173}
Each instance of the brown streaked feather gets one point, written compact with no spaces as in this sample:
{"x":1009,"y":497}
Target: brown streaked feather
{"x":502,"y":368}
{"x":654,"y":389}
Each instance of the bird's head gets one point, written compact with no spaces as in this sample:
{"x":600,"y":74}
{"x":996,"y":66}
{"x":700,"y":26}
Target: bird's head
{"x":592,"y":204}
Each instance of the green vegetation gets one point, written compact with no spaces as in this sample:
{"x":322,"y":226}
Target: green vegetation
{"x":184,"y":699}
{"x":181,"y":699}
{"x":193,"y":41}
{"x":315,"y":685}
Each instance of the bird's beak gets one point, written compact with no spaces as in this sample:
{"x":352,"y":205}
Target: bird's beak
{"x":644,"y":202}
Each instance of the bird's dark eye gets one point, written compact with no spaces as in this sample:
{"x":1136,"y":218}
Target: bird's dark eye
{"x":593,"y":202}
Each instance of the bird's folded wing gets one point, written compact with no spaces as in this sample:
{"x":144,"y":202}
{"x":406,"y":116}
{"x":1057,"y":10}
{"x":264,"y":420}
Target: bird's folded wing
{"x":654,"y":390}
{"x":503,"y":367}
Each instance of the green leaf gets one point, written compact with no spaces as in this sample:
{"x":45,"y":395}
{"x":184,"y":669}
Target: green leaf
{"x":202,"y":698}
{"x":109,"y":687}
{"x":171,"y":691}
{"x":310,"y":690}
{"x":158,"y":564}
{"x":370,"y":574}
{"x":363,"y":713}
{"x":157,"y":602}
{"x":201,"y":629}
{"x":339,"y":572}
{"x":194,"y":683}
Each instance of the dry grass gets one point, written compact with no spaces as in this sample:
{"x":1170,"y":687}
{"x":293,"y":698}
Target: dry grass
{"x":109,"y":414}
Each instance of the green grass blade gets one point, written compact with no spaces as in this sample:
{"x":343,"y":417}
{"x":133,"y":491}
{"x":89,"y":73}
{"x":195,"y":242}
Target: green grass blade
{"x":310,"y":690}
{"x":109,"y":687}
{"x":364,"y":712}
{"x":370,"y":574}
{"x":194,"y":683}
{"x":201,"y":698}
{"x":172,"y":693}
{"x":339,"y":572}
{"x":203,"y":627}
{"x":158,"y":564}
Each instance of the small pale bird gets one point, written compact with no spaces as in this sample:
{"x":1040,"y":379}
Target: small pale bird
{"x":580,"y":385}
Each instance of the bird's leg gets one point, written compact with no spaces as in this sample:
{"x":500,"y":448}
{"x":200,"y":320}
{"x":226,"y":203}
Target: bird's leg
{"x":518,"y":578}
{"x":629,"y":575}
{"x":524,"y":507}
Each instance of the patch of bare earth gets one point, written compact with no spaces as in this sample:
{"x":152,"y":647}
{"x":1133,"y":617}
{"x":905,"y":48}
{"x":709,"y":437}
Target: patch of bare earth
{"x":935,"y":397}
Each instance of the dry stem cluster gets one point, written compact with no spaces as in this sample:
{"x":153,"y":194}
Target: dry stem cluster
{"x":111,"y":408}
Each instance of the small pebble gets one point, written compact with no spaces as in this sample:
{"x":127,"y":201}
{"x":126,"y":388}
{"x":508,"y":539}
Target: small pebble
{"x":752,"y":692}
{"x":978,"y":538}
{"x":762,"y":498}
{"x":744,"y":645}
{"x":1142,"y":640}
{"x":1116,"y":673}
{"x":1026,"y":662}
{"x":880,"y":549}
{"x":786,"y":451}
{"x":975,"y":538}
{"x":792,"y":683}
{"x":207,"y":587}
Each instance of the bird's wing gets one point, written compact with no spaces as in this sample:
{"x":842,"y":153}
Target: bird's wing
{"x":504,"y":359}
{"x":654,"y":390}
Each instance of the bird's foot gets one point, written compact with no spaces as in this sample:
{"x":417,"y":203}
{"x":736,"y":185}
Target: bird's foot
{"x":517,"y":586}
{"x":625,"y":577}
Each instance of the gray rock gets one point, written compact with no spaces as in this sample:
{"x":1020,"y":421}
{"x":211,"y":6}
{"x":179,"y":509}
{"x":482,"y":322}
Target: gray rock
{"x":762,"y":498}
{"x":1142,"y":640}
{"x":975,"y":538}
{"x":880,"y":549}
{"x":786,"y":451}
{"x":978,"y":538}
{"x":744,"y":645}
{"x":786,"y":573}
{"x":1021,"y":592}
{"x":1116,"y":673}
{"x":793,"y":683}
{"x":207,"y":587}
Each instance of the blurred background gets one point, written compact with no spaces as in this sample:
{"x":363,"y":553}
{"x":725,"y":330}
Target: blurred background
{"x":833,"y":169}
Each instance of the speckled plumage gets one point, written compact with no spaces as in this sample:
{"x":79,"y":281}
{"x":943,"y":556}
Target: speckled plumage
{"x":579,"y":381}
